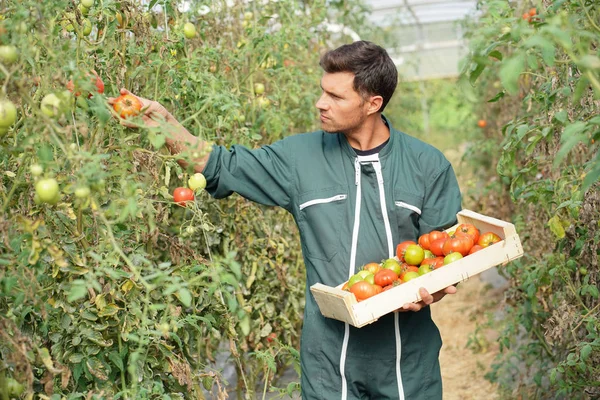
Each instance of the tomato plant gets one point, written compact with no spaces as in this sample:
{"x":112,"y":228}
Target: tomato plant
{"x":112,"y":286}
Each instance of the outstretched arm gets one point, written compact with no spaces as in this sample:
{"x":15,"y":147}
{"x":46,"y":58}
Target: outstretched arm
{"x":178,"y":139}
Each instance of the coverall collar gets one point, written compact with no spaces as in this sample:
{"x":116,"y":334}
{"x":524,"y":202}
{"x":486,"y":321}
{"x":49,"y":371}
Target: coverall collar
{"x":383,"y":153}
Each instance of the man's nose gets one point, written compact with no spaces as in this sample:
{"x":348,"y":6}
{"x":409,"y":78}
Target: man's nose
{"x":321,"y":103}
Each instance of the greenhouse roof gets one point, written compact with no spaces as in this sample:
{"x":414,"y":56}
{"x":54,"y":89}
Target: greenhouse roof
{"x":427,"y":35}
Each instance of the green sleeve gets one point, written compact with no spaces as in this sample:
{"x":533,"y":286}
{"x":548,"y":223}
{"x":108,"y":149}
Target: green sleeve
{"x":261,"y":175}
{"x":442,"y":202}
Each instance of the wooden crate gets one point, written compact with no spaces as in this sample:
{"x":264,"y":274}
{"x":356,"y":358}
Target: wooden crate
{"x":342,"y":305}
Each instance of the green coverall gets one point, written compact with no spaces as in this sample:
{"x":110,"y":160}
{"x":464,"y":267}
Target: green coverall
{"x":352,"y":210}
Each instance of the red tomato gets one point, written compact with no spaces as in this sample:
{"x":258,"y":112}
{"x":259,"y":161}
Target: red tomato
{"x":182,"y":195}
{"x":437,"y":247}
{"x":363,"y":290}
{"x":435,"y":262}
{"x":401,"y":249}
{"x":475,"y":249}
{"x":435,"y":235}
{"x":424,"y":241}
{"x":459,"y":244}
{"x":127,"y":105}
{"x":385,"y":277}
{"x":468,"y":229}
{"x":488,"y":238}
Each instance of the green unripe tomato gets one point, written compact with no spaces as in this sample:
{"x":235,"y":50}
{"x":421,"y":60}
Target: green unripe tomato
{"x":47,"y":190}
{"x":66,"y":22}
{"x":8,"y":54}
{"x":259,"y":89}
{"x":83,"y":9}
{"x":87,"y":3}
{"x":51,"y":105}
{"x":14,"y":388}
{"x":87,"y":27}
{"x":36,"y":169}
{"x":82,"y":192}
{"x":189,"y":30}
{"x":8,"y":114}
{"x":22,"y":27}
{"x":263,"y":102}
{"x":248,"y":15}
{"x":197,"y":182}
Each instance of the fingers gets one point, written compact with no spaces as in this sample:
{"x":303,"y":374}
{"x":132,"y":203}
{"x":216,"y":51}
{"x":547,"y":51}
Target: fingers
{"x":122,"y":91}
{"x":427,"y":299}
{"x":451,"y":290}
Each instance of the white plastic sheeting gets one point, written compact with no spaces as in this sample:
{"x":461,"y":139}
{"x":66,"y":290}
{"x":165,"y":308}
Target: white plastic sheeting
{"x":427,"y":40}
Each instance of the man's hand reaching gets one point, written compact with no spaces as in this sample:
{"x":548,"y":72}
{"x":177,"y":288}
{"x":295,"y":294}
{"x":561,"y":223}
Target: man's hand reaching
{"x":177,"y":138}
{"x":152,"y":113}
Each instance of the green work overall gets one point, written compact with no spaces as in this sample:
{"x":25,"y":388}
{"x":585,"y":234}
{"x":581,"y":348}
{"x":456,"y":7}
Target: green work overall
{"x":351,"y":210}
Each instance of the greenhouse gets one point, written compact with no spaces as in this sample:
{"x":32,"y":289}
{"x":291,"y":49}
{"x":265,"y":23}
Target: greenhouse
{"x":283,"y":199}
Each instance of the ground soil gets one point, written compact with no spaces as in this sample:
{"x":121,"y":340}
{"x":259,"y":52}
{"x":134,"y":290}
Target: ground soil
{"x":467,"y":352}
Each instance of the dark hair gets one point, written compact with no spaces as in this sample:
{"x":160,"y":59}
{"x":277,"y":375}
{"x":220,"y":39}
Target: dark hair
{"x":374,"y":71}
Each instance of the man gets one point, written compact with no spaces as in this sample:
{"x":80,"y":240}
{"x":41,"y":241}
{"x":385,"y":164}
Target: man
{"x":356,"y":188}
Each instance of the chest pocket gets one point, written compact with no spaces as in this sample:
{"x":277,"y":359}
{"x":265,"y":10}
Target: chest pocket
{"x":320,"y":216}
{"x":407,"y":210}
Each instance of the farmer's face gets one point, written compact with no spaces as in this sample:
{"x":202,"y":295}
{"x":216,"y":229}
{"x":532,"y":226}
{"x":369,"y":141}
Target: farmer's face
{"x":342,"y":108}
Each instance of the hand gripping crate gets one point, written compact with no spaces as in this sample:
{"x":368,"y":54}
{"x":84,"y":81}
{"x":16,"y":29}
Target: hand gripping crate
{"x":342,"y":305}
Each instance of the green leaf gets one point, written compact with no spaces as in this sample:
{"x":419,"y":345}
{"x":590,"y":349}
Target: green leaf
{"x":589,"y":62}
{"x":497,"y":97}
{"x":510,"y":71}
{"x":45,"y":152}
{"x":496,"y":54}
{"x":570,"y":137}
{"x":593,"y":176}
{"x":476,"y":73}
{"x":580,"y":89}
{"x":546,"y":48}
{"x":185,"y":297}
{"x":556,"y":227}
{"x":109,"y":310}
{"x":156,"y":139}
{"x":116,"y":360}
{"x":77,"y":291}
{"x":561,"y":116}
{"x":586,"y":350}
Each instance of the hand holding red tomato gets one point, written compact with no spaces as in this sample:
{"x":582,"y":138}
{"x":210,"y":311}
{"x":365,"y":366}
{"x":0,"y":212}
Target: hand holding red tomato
{"x":153,"y":113}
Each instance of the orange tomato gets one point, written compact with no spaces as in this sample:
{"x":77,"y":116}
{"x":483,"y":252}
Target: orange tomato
{"x":127,"y":105}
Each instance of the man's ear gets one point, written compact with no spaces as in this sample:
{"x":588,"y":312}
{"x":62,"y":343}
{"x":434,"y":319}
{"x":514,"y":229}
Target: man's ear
{"x":374,"y":104}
